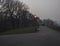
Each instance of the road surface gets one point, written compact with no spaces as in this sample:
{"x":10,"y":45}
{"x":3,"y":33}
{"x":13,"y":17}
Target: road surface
{"x":45,"y":37}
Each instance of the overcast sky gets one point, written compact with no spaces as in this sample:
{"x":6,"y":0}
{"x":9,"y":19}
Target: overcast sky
{"x":44,"y":8}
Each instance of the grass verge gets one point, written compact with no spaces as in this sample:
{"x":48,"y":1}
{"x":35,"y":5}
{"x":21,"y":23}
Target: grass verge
{"x":56,"y":28}
{"x":19,"y":31}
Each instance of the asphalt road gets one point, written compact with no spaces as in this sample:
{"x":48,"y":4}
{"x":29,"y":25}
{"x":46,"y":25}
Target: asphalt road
{"x":45,"y":37}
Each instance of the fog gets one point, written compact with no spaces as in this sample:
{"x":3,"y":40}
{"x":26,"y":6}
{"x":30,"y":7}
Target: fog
{"x":44,"y":8}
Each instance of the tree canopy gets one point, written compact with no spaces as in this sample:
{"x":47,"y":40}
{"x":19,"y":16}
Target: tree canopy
{"x":14,"y":14}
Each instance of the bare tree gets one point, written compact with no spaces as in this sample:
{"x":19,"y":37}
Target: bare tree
{"x":13,"y":11}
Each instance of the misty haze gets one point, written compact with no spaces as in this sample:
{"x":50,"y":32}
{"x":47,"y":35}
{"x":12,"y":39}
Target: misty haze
{"x":29,"y":22}
{"x":45,"y":8}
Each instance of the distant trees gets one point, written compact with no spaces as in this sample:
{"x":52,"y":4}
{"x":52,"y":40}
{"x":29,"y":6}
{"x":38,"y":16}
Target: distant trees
{"x":51,"y":24}
{"x":15,"y":14}
{"x":48,"y":22}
